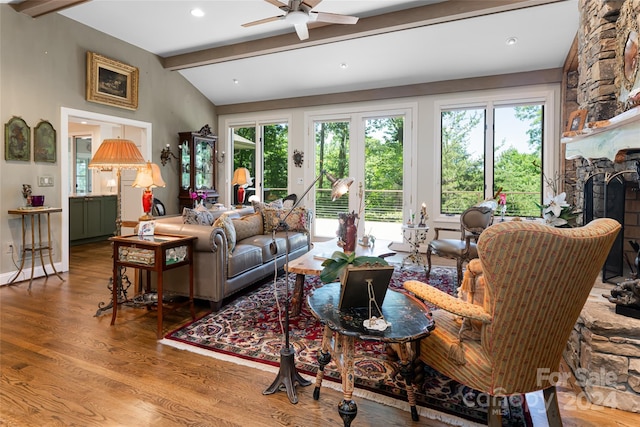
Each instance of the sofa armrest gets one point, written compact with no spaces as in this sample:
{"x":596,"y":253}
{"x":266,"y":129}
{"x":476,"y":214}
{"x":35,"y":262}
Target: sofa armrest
{"x":205,"y":234}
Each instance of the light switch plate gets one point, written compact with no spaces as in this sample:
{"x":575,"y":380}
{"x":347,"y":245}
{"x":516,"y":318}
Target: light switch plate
{"x":45,"y":181}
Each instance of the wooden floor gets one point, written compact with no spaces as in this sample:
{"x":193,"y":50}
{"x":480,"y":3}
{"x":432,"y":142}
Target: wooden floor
{"x":61,"y":366}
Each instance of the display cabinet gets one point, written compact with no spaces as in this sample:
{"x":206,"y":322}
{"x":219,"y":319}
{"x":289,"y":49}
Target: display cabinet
{"x":198,"y":168}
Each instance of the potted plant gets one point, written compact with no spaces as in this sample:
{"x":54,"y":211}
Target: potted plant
{"x":334,"y":266}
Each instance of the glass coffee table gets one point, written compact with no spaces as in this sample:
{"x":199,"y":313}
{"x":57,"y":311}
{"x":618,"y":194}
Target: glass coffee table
{"x":410,"y":321}
{"x":311,"y":264}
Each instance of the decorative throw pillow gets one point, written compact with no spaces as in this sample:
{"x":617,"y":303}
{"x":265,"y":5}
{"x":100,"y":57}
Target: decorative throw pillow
{"x":229,"y":229}
{"x":287,"y":204}
{"x":259,"y":206}
{"x":199,"y":216}
{"x":248,"y":225}
{"x":297,"y":221}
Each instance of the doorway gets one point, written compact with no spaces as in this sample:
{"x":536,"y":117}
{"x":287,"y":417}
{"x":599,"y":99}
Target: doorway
{"x":99,"y":126}
{"x":374,"y":149}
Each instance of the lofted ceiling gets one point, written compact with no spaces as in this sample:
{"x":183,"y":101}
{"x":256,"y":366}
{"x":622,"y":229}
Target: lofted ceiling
{"x":394,"y":43}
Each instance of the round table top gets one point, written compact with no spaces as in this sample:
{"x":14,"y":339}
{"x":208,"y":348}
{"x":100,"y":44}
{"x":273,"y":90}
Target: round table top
{"x":410,"y":319}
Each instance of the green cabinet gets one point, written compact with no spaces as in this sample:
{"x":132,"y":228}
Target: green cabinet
{"x":91,"y":218}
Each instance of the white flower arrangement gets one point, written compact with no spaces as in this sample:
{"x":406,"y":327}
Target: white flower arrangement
{"x":556,"y":212}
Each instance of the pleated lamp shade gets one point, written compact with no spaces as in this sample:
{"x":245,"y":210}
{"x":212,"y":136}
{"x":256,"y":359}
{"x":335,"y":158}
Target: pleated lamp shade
{"x":149,"y":177}
{"x":241,"y":177}
{"x":117,"y":153}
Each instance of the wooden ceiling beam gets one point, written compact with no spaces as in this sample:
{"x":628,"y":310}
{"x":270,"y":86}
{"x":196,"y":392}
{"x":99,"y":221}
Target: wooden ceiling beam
{"x":437,"y":13}
{"x":36,"y":8}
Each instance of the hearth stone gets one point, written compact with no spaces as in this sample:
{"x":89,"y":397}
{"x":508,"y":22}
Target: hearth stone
{"x":603,"y":352}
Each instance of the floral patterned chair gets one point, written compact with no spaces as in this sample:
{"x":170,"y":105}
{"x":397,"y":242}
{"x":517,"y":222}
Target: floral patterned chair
{"x":536,"y":281}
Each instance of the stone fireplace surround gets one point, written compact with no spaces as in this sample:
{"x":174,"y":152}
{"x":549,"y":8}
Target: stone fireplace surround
{"x":603,"y":351}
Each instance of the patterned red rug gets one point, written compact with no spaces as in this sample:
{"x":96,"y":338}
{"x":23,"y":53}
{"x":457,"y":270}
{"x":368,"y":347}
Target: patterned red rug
{"x":248,"y":331}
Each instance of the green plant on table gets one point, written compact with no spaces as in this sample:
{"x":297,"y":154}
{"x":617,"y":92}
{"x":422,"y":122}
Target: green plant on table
{"x":334,"y":266}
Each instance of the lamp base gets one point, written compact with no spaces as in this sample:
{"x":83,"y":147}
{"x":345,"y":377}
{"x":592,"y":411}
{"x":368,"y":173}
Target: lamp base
{"x":287,"y":376}
{"x":146,"y":217}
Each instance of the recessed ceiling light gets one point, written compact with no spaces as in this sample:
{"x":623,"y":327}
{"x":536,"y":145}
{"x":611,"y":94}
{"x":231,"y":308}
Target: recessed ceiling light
{"x":235,"y":81}
{"x":344,"y":65}
{"x":198,"y":13}
{"x":511,"y":41}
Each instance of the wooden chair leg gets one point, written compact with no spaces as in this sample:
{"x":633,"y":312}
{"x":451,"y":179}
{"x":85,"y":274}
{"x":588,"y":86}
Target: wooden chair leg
{"x":428,"y":260}
{"x":459,"y":262}
{"x":553,"y":411}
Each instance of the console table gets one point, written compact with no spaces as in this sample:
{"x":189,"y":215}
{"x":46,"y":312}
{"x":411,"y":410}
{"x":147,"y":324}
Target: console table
{"x":410,"y":321}
{"x":157,"y":253}
{"x":32,"y":213}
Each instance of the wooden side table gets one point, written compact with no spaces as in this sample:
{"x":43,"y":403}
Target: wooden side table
{"x":157,"y":253}
{"x":311,"y":264}
{"x":410,"y":321}
{"x":32,"y":213}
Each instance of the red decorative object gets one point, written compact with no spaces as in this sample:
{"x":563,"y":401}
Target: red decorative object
{"x":241,"y":193}
{"x":348,"y":232}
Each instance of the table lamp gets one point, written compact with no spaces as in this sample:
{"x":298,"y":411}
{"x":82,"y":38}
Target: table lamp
{"x":148,"y":178}
{"x":241,"y":178}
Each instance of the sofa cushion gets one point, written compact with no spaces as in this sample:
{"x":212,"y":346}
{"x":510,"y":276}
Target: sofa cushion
{"x":243,"y":258}
{"x":226,"y":223}
{"x":199,"y":215}
{"x":297,"y":221}
{"x":264,"y":241}
{"x":248,"y":225}
{"x":259,"y":206}
{"x":296,"y":240}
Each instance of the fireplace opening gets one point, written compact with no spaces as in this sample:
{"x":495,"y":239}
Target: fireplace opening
{"x":610,"y":195}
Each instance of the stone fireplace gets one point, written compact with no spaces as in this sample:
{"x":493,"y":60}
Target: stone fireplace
{"x":604,"y":349}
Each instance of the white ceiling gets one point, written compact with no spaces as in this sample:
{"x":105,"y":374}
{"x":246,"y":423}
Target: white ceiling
{"x":453,"y":50}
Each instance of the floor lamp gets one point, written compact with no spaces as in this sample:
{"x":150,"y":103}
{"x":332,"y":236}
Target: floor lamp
{"x":287,"y":374}
{"x":116,"y":154}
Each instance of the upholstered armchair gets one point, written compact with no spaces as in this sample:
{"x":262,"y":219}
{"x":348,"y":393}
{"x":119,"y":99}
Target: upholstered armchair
{"x":473,"y":221}
{"x":536,"y":281}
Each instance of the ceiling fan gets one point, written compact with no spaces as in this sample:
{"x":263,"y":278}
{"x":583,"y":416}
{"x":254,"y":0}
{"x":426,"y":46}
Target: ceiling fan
{"x":299,"y":13}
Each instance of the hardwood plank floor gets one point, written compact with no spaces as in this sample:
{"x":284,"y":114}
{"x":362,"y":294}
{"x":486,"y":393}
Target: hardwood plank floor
{"x":61,"y":366}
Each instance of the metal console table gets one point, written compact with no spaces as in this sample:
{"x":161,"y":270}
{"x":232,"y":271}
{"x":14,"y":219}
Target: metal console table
{"x":36,"y":246}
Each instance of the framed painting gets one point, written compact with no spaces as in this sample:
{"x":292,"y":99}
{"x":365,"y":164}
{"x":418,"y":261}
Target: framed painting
{"x":576,"y":121}
{"x":44,"y":142}
{"x":111,"y":82}
{"x":17,"y":140}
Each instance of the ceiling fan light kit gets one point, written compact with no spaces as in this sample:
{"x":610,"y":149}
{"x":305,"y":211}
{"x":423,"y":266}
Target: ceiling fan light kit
{"x":298,"y":13}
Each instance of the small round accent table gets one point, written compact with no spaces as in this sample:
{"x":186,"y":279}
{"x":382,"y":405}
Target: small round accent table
{"x":414,"y":236}
{"x":410,"y":321}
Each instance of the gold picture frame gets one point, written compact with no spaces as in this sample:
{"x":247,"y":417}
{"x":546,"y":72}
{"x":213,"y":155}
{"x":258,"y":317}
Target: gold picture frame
{"x":111,"y":82}
{"x":576,"y":121}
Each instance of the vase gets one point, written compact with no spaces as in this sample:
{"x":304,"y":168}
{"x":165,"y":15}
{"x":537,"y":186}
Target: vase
{"x":348,"y":232}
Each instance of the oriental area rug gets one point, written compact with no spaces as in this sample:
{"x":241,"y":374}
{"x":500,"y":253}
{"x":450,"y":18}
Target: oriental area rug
{"x":248,"y":331}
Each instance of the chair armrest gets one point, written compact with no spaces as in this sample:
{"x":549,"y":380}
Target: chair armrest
{"x":439,"y":229}
{"x":447,"y":302}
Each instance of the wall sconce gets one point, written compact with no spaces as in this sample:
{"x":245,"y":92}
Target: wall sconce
{"x":221,"y":159}
{"x":166,"y":154}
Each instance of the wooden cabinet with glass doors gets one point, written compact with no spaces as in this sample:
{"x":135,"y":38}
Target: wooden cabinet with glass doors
{"x":198,"y":169}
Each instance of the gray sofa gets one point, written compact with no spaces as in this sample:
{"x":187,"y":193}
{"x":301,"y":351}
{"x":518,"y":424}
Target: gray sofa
{"x":221,"y":272}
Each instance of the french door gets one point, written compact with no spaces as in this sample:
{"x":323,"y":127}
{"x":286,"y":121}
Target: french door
{"x":371,"y":148}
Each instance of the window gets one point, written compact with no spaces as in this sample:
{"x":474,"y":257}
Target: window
{"x":492,"y":147}
{"x":269,"y":142}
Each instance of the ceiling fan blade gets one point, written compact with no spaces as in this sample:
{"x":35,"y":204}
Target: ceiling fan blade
{"x":279,"y":4}
{"x":303,"y":31}
{"x":263,"y":21}
{"x":333,"y":18}
{"x":311,"y":3}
